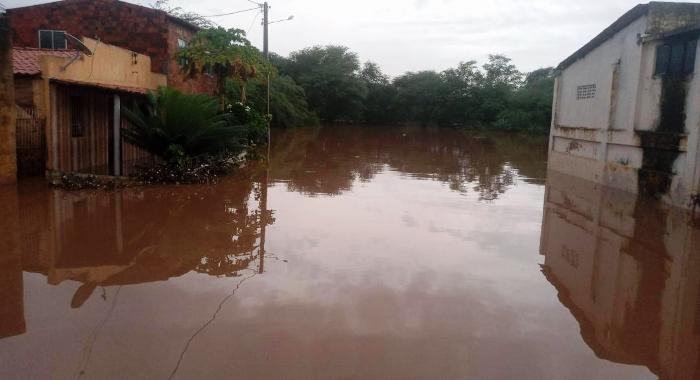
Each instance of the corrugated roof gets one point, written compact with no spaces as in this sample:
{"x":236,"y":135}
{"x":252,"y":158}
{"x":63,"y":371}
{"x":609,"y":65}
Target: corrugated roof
{"x":25,"y":61}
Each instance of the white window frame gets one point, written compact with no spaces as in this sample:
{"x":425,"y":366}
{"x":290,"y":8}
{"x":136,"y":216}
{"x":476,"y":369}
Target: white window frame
{"x":65,"y":40}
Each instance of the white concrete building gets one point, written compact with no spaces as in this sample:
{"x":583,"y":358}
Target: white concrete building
{"x":626,"y":110}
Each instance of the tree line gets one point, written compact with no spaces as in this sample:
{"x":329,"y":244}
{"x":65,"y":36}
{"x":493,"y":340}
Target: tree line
{"x":329,"y":83}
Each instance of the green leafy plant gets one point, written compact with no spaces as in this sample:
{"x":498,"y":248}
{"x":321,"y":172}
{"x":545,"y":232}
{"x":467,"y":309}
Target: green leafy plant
{"x":175,"y":126}
{"x":227,"y":55}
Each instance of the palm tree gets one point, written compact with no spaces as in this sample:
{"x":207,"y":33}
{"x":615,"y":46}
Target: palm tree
{"x":174,"y":126}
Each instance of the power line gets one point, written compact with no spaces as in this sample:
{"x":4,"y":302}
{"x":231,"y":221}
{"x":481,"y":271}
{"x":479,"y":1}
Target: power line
{"x":233,"y":13}
{"x":252,"y":22}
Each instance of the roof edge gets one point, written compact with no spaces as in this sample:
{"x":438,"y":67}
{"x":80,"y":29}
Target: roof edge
{"x":625,"y":20}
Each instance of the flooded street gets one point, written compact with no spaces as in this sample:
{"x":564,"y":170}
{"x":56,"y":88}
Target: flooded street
{"x":362,"y":253}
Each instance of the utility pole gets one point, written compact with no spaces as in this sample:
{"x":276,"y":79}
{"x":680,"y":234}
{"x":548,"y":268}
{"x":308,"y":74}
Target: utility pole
{"x":266,"y":53}
{"x":266,"y":23}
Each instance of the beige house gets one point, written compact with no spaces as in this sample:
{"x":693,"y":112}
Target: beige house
{"x":76,"y":96}
{"x":626,"y":110}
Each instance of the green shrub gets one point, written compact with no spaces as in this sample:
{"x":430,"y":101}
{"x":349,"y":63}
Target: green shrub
{"x":175,"y":126}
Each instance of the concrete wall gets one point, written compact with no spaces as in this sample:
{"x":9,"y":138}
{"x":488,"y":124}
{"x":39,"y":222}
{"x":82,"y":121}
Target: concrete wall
{"x":628,"y":271}
{"x":109,"y":65}
{"x":598,"y":68}
{"x":8,"y":151}
{"x":590,"y":134}
{"x":617,"y":138}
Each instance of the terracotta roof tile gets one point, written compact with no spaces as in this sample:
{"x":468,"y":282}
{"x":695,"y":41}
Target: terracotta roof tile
{"x":26,"y":60}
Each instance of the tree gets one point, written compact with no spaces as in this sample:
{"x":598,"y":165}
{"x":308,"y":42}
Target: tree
{"x":288,"y":106}
{"x":380,"y":103}
{"x":501,"y":72}
{"x":227,"y":55}
{"x":330,"y":78}
{"x":176,"y":126}
{"x":420,"y":96}
{"x":190,"y":17}
{"x":530,"y":107}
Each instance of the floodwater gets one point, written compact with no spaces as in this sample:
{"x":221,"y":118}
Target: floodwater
{"x":359,"y":253}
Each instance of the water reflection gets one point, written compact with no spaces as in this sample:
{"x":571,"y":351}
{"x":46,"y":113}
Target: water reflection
{"x":629,"y":272}
{"x":330,"y":160}
{"x":140,"y":235}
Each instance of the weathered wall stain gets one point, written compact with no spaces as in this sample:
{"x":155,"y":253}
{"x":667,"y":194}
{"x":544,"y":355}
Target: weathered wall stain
{"x":662,"y":146}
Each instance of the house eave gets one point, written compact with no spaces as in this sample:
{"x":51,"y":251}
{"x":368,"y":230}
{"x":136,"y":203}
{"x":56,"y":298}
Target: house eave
{"x":625,"y":20}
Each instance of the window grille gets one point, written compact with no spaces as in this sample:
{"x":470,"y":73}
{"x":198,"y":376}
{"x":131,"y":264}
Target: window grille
{"x":585,"y":91}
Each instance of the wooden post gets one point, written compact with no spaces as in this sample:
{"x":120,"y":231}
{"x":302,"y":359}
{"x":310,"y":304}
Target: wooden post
{"x":8,"y":114}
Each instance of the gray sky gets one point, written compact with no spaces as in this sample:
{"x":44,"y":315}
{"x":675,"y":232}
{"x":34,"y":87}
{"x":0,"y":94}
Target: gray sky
{"x":412,"y":35}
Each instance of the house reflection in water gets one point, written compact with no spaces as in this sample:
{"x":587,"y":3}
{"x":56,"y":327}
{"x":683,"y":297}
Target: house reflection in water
{"x":629,"y":272}
{"x":133,"y":236}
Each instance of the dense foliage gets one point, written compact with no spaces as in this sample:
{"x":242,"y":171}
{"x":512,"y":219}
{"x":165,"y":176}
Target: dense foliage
{"x":227,"y":55}
{"x":495,"y":95}
{"x":331,"y":79}
{"x":175,"y":126}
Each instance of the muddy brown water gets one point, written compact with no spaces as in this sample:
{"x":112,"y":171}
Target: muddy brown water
{"x":360,"y":253}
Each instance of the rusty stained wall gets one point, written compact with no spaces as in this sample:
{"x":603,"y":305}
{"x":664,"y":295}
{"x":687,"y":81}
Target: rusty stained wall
{"x":8,"y":151}
{"x":666,"y":17}
{"x":91,"y":153}
{"x":88,"y":153}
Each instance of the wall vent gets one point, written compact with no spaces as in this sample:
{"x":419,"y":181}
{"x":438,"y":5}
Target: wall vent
{"x":585,"y":92}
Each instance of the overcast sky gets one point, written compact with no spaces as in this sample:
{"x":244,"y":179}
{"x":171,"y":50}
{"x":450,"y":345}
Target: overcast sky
{"x":412,"y":35}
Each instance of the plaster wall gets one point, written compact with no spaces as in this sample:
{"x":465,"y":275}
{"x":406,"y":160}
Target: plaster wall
{"x":109,"y":65}
{"x":599,"y":138}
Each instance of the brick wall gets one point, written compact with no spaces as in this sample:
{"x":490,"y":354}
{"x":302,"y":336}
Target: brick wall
{"x":201,"y":83}
{"x":137,"y":28}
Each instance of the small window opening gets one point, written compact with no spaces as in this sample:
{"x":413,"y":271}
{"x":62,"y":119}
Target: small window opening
{"x":52,"y":39}
{"x":585,"y":92}
{"x":181,"y":44}
{"x":77,"y":116}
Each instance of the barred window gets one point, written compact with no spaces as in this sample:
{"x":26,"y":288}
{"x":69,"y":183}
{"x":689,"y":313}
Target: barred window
{"x":585,"y":92}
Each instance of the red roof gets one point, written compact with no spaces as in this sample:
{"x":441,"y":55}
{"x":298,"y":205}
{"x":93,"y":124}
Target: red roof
{"x":26,"y":60}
